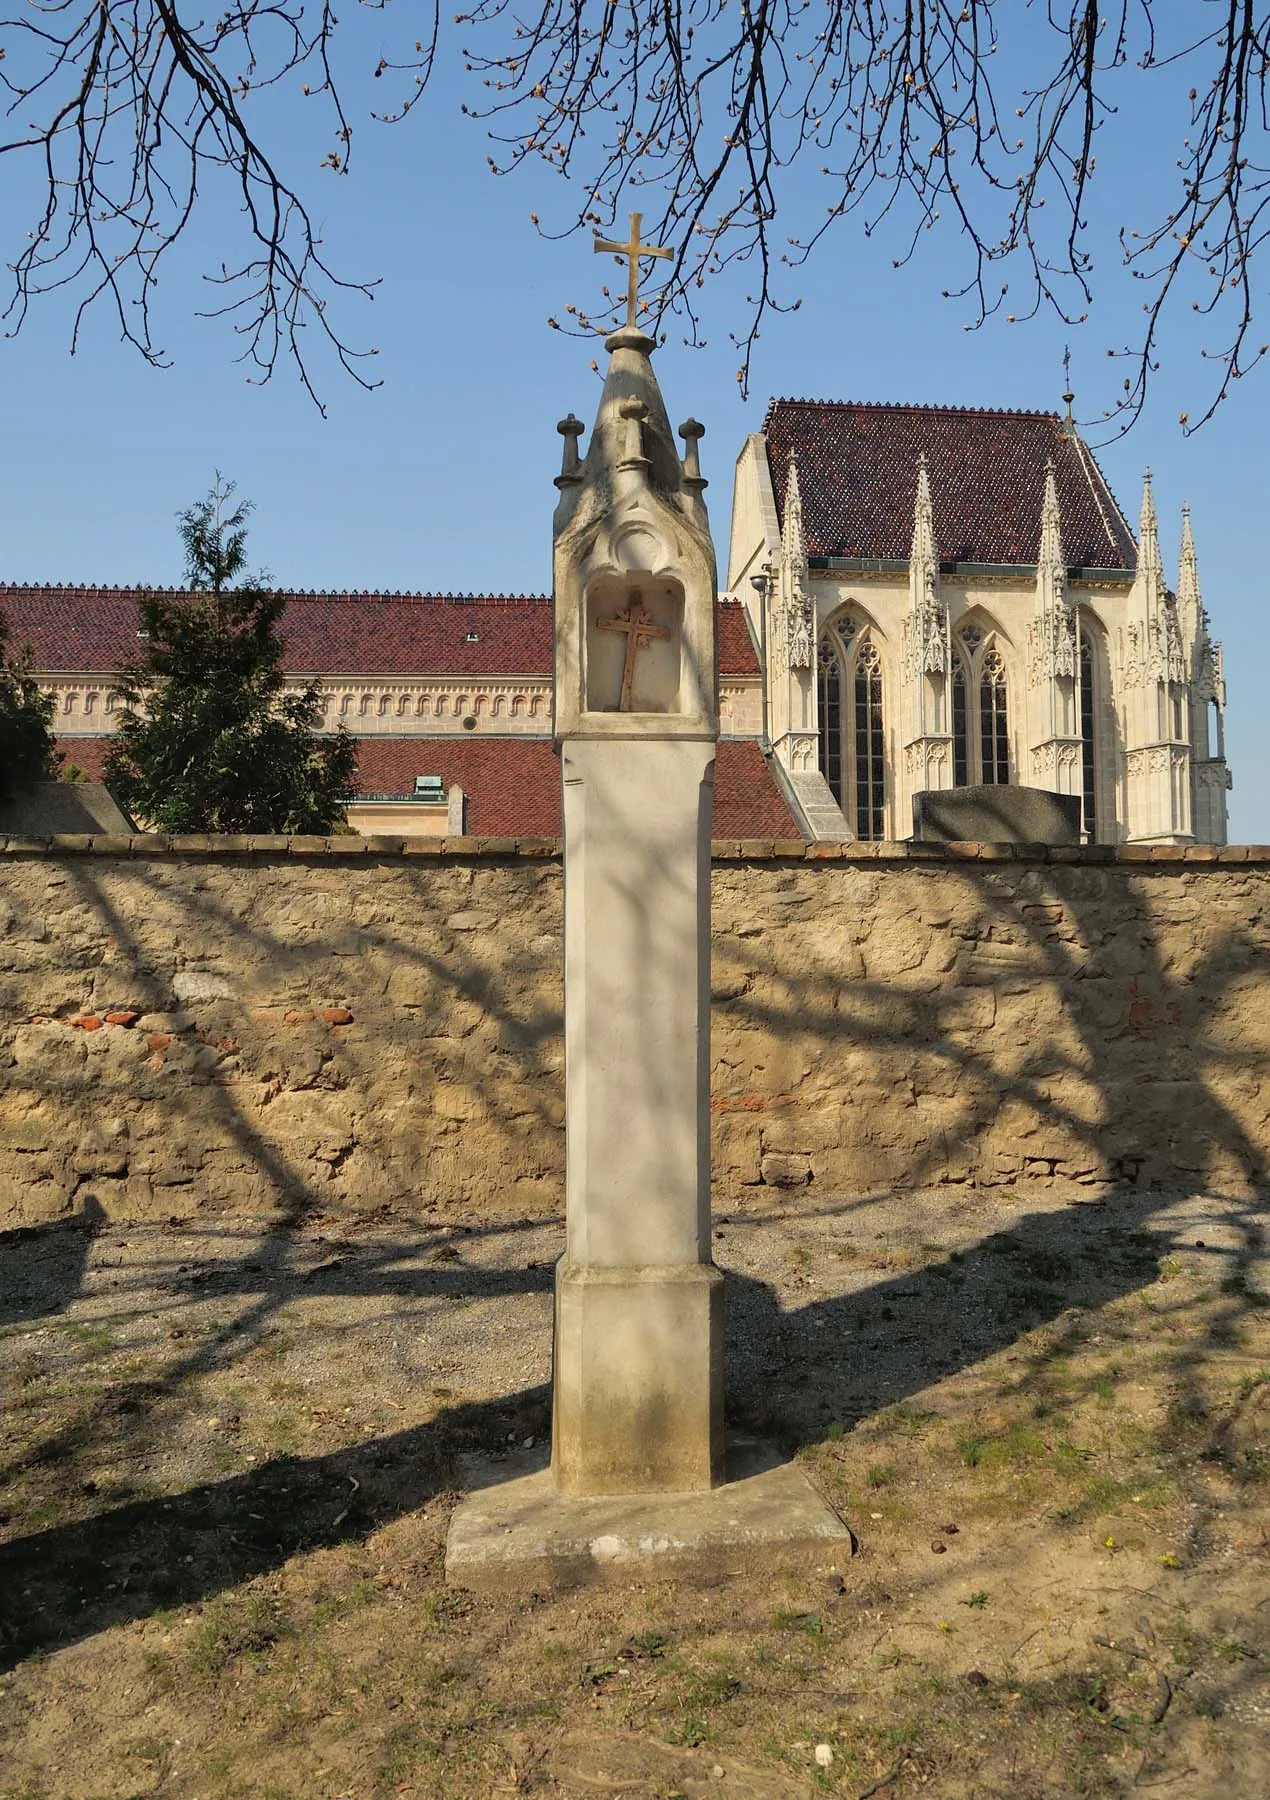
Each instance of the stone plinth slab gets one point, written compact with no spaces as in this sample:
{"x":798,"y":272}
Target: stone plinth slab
{"x":521,"y":1531}
{"x":996,"y":815}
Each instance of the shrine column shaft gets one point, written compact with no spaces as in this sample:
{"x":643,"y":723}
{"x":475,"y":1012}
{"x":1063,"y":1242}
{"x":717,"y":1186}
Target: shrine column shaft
{"x":637,"y":1395}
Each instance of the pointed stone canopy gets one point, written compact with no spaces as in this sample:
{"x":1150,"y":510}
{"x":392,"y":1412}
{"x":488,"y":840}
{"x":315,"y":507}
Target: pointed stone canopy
{"x":629,"y":378}
{"x":631,"y":509}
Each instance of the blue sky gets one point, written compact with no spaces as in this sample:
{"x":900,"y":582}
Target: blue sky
{"x":442,"y":478}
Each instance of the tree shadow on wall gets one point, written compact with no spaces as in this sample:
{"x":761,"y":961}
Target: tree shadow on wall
{"x":1129,"y":1085}
{"x":834,"y":1359}
{"x":227,"y":1065}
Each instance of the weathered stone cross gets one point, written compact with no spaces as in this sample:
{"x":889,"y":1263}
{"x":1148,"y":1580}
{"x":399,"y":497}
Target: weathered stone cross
{"x":639,"y":630}
{"x":632,"y":251}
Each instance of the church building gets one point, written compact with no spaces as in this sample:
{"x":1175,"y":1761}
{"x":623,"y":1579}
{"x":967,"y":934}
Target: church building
{"x":917,"y":598}
{"x":946,"y":597}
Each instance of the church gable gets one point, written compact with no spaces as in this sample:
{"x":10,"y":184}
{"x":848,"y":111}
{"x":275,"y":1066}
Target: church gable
{"x":858,"y":466}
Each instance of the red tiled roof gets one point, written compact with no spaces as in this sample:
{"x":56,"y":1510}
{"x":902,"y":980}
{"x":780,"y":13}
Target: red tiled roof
{"x":737,"y":655}
{"x":857,"y":472}
{"x":88,"y":754}
{"x":513,"y":783}
{"x":94,"y":631}
{"x":747,"y":801}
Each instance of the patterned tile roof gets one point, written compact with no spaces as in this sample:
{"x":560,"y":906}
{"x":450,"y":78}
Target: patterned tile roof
{"x":857,"y":467}
{"x":513,"y":783}
{"x":88,"y":630}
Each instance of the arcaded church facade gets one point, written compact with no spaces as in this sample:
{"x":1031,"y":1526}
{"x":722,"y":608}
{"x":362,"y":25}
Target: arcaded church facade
{"x":917,"y":597}
{"x":946,"y":598}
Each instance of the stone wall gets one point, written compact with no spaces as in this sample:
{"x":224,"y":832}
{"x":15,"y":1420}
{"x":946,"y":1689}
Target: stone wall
{"x":293,"y":1025}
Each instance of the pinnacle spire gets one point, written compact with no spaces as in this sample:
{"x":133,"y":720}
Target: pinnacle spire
{"x":1150,"y":561}
{"x":1188,"y":591}
{"x":923,"y":557}
{"x":792,"y":524}
{"x":1050,"y":556}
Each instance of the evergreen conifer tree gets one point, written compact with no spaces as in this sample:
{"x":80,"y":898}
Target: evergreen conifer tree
{"x":208,"y":740}
{"x":26,"y":724}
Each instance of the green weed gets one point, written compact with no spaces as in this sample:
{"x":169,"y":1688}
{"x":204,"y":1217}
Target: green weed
{"x":811,"y":1622}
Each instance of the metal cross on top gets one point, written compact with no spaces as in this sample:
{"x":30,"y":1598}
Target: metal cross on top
{"x":632,"y":251}
{"x":639,"y":629}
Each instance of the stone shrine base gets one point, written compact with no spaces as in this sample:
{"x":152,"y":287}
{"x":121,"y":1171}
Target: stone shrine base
{"x":516,"y":1530}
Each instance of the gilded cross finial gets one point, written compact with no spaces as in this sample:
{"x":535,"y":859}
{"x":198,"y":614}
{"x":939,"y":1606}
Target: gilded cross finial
{"x":632,"y":250}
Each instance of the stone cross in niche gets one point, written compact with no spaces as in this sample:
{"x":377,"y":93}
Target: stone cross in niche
{"x":638,"y":627}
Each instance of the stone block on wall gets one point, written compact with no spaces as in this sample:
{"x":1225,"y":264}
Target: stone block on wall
{"x":1003,"y":814}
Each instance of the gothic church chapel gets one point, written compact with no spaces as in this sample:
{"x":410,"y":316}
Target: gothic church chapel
{"x":946,"y":598}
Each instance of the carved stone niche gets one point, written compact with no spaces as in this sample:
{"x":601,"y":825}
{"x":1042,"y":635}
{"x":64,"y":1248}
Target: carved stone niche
{"x":633,"y":657}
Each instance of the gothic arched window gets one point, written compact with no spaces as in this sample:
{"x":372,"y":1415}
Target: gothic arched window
{"x":1088,"y":734}
{"x":960,"y":723}
{"x":981,"y":732}
{"x":831,"y":716}
{"x":870,"y":746}
{"x":994,"y":725}
{"x":853,"y":725}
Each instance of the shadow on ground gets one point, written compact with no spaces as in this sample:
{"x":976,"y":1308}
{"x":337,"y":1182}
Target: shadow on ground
{"x":792,"y":1374}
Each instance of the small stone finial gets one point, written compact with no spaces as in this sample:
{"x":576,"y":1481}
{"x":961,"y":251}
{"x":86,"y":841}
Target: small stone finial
{"x":1148,"y":517}
{"x":633,"y":411}
{"x":571,"y":430}
{"x":692,"y":432}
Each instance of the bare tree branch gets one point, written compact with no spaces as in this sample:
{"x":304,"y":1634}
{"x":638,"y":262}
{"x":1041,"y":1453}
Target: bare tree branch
{"x":983,"y":116}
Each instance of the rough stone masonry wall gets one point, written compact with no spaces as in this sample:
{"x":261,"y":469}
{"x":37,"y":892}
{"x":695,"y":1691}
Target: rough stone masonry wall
{"x":272,"y":1024}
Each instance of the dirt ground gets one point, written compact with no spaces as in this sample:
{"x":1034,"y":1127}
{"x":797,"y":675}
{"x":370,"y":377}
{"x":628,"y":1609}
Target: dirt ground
{"x":231,"y":1450}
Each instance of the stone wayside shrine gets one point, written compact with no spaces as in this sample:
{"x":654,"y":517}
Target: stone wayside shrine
{"x":638,"y":1455}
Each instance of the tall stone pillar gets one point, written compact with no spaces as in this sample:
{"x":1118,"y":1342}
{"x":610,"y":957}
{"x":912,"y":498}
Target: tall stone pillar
{"x":638,"y":1385}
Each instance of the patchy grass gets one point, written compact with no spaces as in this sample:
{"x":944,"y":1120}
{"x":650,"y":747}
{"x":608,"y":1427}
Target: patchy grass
{"x":225,"y":1538}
